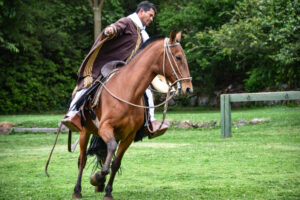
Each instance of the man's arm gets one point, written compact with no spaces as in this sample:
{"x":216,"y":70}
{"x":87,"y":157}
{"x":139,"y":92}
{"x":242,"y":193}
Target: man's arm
{"x":117,"y":28}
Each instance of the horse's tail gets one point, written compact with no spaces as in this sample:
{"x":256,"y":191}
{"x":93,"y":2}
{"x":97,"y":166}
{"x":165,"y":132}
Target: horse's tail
{"x":48,"y":161}
{"x":99,"y":148}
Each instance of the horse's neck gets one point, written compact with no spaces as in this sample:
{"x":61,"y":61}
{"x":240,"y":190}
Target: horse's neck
{"x":139,"y":73}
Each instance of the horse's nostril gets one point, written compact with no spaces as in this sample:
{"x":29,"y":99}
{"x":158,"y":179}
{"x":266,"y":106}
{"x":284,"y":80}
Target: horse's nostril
{"x":188,"y":90}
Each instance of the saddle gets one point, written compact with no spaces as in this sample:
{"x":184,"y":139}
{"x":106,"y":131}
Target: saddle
{"x":90,"y":99}
{"x":110,"y":66}
{"x":106,"y":72}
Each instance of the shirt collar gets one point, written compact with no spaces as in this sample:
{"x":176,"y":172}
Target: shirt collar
{"x":135,"y":18}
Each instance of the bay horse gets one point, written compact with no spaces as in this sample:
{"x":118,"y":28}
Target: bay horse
{"x":118,"y":122}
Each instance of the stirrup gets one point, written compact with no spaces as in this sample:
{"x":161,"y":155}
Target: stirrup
{"x":157,"y":133}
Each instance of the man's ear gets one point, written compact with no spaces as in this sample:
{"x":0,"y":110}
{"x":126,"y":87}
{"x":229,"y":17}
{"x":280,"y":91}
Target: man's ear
{"x":141,"y":11}
{"x":172,"y":36}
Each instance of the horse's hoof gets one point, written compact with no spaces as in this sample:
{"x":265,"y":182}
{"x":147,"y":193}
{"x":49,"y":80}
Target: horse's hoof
{"x":93,"y":180}
{"x":96,"y":179}
{"x":77,"y":196}
{"x":108,"y":198}
{"x":99,"y":188}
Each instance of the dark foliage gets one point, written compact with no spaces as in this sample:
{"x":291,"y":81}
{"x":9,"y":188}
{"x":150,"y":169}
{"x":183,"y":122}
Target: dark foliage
{"x":42,"y":46}
{"x":254,"y":44}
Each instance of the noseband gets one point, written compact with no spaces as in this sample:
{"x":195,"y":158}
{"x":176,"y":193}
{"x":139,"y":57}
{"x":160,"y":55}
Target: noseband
{"x":169,"y":55}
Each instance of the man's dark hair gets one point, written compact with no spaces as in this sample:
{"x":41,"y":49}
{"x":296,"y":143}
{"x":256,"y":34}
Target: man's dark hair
{"x":146,"y":5}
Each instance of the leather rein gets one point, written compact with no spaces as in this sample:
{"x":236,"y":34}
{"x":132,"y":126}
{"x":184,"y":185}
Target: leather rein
{"x":169,"y":55}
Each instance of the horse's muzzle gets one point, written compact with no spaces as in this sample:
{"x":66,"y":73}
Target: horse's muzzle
{"x":189,"y":91}
{"x":187,"y":88}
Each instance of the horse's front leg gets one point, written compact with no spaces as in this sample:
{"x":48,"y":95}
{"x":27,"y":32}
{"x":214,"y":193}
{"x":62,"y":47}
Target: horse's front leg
{"x":115,"y":166}
{"x":84,"y":138}
{"x":98,"y":179}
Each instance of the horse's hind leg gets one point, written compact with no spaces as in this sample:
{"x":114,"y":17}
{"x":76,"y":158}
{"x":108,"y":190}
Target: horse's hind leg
{"x":84,"y":138}
{"x":115,"y":166}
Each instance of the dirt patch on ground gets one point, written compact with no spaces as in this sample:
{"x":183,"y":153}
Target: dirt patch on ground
{"x":5,"y":128}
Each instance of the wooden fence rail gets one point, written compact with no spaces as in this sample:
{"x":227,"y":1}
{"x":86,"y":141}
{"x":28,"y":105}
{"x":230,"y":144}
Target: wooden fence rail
{"x":226,"y":99}
{"x":36,"y":130}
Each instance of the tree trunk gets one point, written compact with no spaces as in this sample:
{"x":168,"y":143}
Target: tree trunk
{"x":97,"y":9}
{"x":97,"y":22}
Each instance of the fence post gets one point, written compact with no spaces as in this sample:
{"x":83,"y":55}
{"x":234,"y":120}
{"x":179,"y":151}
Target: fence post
{"x":225,"y":116}
{"x":222,"y":115}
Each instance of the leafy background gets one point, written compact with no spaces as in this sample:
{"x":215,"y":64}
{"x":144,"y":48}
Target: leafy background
{"x":253,"y":44}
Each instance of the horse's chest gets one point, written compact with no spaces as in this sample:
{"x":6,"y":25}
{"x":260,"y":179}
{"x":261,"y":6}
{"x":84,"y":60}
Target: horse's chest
{"x":129,"y":124}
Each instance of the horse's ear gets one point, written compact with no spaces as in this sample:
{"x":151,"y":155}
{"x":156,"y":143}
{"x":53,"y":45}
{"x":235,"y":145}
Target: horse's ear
{"x":172,"y":36}
{"x":178,"y":36}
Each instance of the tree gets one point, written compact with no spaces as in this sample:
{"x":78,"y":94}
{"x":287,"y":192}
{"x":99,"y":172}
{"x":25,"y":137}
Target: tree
{"x":51,"y":38}
{"x":97,"y":6}
{"x":259,"y":47}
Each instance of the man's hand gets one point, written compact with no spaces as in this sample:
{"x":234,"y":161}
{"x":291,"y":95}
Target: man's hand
{"x":109,"y":31}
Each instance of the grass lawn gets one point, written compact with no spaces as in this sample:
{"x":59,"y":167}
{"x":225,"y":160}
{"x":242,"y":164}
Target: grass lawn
{"x":259,"y":162}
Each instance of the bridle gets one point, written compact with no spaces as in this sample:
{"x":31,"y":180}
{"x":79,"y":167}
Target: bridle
{"x":167,"y":53}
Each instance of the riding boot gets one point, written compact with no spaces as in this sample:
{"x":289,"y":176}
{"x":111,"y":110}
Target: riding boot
{"x":73,"y":123}
{"x":155,"y":127}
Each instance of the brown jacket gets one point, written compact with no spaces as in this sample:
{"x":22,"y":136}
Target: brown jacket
{"x":120,"y":46}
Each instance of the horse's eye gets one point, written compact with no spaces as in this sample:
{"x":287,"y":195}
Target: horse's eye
{"x":178,"y":58}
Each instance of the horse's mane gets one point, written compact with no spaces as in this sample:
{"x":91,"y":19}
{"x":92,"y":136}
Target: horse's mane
{"x":149,"y":41}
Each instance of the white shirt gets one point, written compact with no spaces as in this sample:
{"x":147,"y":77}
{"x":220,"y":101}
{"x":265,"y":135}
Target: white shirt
{"x":135,"y":18}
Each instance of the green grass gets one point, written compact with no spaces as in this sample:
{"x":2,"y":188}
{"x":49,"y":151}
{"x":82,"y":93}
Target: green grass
{"x":259,"y":162}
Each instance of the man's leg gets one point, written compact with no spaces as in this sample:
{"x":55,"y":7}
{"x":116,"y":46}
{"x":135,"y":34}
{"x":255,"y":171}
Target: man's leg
{"x":154,"y":123}
{"x":151,"y":104}
{"x":73,"y":119}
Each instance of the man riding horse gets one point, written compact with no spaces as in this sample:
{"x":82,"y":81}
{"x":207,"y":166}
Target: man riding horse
{"x":119,"y":41}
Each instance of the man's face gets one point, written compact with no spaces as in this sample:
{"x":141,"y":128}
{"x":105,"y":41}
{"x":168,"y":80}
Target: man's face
{"x":146,"y":16}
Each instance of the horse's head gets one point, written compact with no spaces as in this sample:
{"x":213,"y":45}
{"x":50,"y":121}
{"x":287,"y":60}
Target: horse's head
{"x":175,"y":67}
